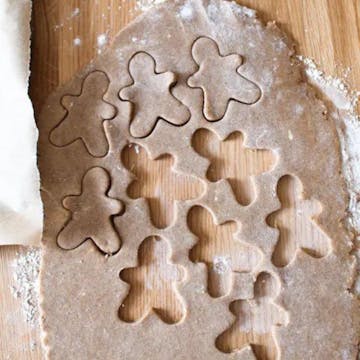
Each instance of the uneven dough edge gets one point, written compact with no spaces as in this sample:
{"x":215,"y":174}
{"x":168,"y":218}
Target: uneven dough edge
{"x":341,"y":263}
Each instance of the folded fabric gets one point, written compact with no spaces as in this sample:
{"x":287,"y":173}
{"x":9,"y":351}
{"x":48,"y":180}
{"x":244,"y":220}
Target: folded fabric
{"x":20,"y":204}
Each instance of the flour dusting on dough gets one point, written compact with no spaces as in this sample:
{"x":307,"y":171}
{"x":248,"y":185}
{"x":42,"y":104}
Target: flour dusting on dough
{"x":186,"y":11}
{"x":222,"y":264}
{"x":144,"y":5}
{"x":344,"y":103}
{"x":243,"y":10}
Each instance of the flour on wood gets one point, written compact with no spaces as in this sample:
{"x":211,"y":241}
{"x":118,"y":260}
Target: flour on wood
{"x":26,"y":274}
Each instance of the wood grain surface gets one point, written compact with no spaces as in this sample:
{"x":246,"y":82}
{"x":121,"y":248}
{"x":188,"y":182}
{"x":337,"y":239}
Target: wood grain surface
{"x":65,"y":39}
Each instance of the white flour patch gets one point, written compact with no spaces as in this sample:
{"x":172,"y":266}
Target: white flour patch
{"x":26,"y":274}
{"x":290,"y":135}
{"x":299,"y":110}
{"x":76,"y":12}
{"x":77,"y":41}
{"x":186,"y":12}
{"x":101,"y":40}
{"x":221,"y":264}
{"x":134,"y":39}
{"x":242,"y":10}
{"x":143,"y":5}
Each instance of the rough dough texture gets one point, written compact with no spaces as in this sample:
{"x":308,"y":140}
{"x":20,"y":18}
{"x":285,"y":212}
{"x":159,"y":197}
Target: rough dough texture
{"x":97,"y":306}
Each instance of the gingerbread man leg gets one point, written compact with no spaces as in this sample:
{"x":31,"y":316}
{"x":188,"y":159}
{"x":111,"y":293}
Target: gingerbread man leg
{"x":168,"y":306}
{"x":219,"y":279}
{"x":316,"y":243}
{"x":134,"y":307}
{"x":265,"y":347}
{"x":232,"y":340}
{"x":163,"y":209}
{"x":243,"y":190}
{"x":285,"y":249}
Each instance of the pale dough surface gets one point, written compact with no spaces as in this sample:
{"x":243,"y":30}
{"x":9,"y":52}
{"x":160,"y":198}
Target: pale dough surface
{"x":81,"y":289}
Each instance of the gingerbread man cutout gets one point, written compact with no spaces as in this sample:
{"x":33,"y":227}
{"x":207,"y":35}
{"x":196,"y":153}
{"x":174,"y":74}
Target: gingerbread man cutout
{"x":219,"y":249}
{"x":151,"y":97}
{"x":85,"y":116}
{"x":152,"y":284}
{"x":296,"y":225}
{"x":92,"y":214}
{"x":158,"y":182}
{"x":219,"y":79}
{"x":235,"y":169}
{"x":256,"y":320}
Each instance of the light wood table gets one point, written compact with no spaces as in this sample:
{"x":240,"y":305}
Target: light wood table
{"x":326,"y":30}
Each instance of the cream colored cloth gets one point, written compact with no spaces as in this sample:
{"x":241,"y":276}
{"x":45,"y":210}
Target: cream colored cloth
{"x":20,"y":203}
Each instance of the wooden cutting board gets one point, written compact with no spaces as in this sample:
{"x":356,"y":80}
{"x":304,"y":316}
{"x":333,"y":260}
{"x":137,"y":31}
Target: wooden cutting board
{"x":67,"y":34}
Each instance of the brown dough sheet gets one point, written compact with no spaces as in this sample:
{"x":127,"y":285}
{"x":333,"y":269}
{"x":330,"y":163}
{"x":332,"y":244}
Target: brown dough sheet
{"x":81,"y":290}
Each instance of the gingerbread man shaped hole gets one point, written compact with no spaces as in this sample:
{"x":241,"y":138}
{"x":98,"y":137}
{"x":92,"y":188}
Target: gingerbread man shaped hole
{"x":296,"y":225}
{"x":255,"y":321}
{"x":153,"y":284}
{"x":240,"y":168}
{"x":219,"y":249}
{"x":156,"y":181}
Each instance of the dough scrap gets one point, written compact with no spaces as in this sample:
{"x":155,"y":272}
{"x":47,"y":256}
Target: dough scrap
{"x":323,"y":315}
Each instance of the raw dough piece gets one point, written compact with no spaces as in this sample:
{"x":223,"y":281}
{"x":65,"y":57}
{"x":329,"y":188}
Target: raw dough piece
{"x":84,"y":293}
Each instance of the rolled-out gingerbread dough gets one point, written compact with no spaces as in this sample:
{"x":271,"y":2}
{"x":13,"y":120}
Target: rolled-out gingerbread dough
{"x":195,"y":296}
